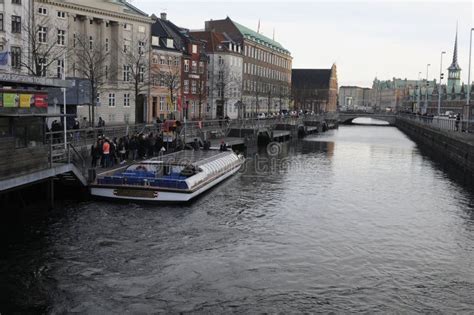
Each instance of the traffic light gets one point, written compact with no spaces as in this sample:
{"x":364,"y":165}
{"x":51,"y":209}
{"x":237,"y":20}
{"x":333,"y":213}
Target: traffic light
{"x":442,"y":76}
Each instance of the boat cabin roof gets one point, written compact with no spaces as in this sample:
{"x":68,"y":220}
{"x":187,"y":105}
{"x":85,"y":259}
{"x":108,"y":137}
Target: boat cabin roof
{"x":188,"y":157}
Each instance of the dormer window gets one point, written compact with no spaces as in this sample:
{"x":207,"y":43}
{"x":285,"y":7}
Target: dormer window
{"x":195,"y":49}
{"x":169,"y":43}
{"x":155,"y":41}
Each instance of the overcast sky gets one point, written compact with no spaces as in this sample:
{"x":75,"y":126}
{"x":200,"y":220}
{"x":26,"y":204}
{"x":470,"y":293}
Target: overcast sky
{"x":365,"y":39}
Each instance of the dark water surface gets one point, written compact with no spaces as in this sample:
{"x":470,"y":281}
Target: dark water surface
{"x":353,"y":220}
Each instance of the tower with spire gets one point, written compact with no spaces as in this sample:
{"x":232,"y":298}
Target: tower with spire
{"x":454,"y":71}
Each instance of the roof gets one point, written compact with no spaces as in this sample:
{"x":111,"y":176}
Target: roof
{"x":259,"y":38}
{"x":311,"y":78}
{"x":132,"y":8}
{"x":213,"y":40}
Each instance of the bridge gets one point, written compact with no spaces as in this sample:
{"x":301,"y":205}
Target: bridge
{"x":348,"y":117}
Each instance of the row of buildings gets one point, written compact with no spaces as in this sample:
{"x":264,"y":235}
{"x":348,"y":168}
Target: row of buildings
{"x":419,"y":96}
{"x":125,"y":66}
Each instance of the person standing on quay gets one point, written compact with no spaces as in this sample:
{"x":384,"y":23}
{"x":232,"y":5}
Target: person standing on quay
{"x":106,"y":152}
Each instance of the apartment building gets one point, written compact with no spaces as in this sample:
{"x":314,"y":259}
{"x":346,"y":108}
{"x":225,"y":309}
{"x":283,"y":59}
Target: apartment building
{"x":225,"y":75}
{"x":165,"y":73}
{"x":267,"y":67}
{"x":109,"y":37}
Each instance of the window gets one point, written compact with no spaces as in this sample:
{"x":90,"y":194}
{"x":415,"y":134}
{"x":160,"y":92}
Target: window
{"x":176,"y":61}
{"x":106,"y":44}
{"x":16,"y":57}
{"x":141,"y":29}
{"x":162,"y":103}
{"x":16,"y":24}
{"x":127,"y":27}
{"x":61,"y":14}
{"x":61,"y":37}
{"x":141,"y":47}
{"x":162,"y":60}
{"x":125,"y":46}
{"x":106,"y":72}
{"x":16,"y":1}
{"x":195,"y":49}
{"x":74,"y":40}
{"x":126,"y":100}
{"x":162,"y":81}
{"x":1,"y":22}
{"x":111,"y":99}
{"x":42,"y":67}
{"x":193,"y":87}
{"x":221,"y":75}
{"x":201,"y":67}
{"x":126,"y":73}
{"x":155,"y":41}
{"x":186,"y":86}
{"x":91,"y":42}
{"x":42,"y":11}
{"x":60,"y":68}
{"x":42,"y":31}
{"x":169,"y":43}
{"x":97,"y":99}
{"x":186,"y":66}
{"x":154,"y":104}
{"x":141,"y":74}
{"x":194,"y":66}
{"x":154,"y":59}
{"x":126,"y":118}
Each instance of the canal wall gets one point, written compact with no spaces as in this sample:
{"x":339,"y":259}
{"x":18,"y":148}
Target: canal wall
{"x":453,"y":146}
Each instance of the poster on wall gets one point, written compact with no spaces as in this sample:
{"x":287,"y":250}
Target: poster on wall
{"x":25,"y":100}
{"x":10,"y":100}
{"x":41,"y":100}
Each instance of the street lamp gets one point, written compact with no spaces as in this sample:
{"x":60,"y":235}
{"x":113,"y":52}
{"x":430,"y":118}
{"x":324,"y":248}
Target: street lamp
{"x":426,"y":89}
{"x":419,"y":93}
{"x":440,"y":79}
{"x":468,"y":99}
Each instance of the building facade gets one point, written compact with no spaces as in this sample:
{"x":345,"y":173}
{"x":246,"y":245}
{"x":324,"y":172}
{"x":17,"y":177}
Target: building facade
{"x":441,"y":98}
{"x":266,"y":80}
{"x":112,"y":39}
{"x":192,"y":100}
{"x":355,"y":98}
{"x":225,"y":70}
{"x":165,"y":73}
{"x":315,"y":90}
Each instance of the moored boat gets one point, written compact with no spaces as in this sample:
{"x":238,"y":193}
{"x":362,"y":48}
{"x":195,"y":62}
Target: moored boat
{"x":177,"y":177}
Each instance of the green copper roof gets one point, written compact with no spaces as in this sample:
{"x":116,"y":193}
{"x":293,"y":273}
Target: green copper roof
{"x":259,"y":38}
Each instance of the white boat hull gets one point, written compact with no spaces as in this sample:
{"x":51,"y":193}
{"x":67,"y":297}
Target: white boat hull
{"x":157,"y":195}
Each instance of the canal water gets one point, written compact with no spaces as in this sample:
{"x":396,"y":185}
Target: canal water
{"x":353,"y":220}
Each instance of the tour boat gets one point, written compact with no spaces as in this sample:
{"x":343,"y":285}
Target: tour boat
{"x":177,"y":177}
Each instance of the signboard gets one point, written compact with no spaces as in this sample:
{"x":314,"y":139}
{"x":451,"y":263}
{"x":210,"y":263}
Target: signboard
{"x":10,"y":100}
{"x":26,"y":100}
{"x":41,"y":100}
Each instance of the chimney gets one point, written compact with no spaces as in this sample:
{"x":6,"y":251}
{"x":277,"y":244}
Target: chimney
{"x":163,"y":16}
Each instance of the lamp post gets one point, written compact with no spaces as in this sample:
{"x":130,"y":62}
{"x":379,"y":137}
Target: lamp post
{"x":468,"y":99}
{"x":426,"y":89}
{"x":440,"y":79}
{"x":419,"y":92}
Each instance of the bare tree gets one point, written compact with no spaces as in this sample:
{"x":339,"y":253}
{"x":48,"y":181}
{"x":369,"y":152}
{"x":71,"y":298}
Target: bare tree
{"x":45,"y":41}
{"x":170,"y":78}
{"x":91,"y":58}
{"x":137,"y":61}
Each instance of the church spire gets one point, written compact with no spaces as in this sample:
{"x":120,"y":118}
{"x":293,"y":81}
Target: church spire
{"x":454,"y":64}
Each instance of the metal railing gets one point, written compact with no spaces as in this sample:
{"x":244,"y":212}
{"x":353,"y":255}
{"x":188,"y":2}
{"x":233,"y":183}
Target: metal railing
{"x":441,"y":123}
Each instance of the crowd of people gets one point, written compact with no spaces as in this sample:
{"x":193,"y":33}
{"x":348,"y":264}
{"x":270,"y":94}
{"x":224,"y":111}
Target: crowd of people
{"x":107,"y":152}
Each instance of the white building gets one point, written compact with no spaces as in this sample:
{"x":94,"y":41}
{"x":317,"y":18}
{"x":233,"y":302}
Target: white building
{"x":115,"y":28}
{"x":14,"y":18}
{"x":225,"y":75}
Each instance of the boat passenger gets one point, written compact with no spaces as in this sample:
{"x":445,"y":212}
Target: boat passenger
{"x":223,"y":146}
